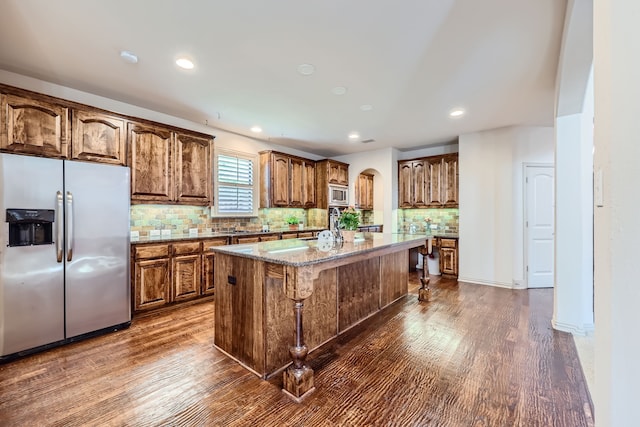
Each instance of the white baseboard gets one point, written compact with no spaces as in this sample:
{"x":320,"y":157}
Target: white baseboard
{"x":485,"y":282}
{"x":582,"y":330}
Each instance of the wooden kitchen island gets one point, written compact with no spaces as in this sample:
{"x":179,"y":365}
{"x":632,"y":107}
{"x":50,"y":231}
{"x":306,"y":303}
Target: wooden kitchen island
{"x":263,"y":289}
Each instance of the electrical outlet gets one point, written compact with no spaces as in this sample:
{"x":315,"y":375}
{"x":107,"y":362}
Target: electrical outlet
{"x":165,"y":233}
{"x":135,"y":235}
{"x":154,"y":233}
{"x":193,"y":232}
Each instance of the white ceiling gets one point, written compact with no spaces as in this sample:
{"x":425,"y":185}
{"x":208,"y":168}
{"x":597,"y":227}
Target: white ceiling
{"x":412,"y":60}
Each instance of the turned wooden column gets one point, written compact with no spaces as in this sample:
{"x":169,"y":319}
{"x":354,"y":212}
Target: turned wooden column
{"x":297,"y":379}
{"x":424,"y":293}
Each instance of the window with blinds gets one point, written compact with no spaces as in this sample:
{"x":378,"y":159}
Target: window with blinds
{"x":235,"y":178}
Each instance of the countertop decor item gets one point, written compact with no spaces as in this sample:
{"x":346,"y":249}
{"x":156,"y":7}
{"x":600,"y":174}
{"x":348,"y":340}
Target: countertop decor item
{"x":349,"y":219}
{"x":293,"y":222}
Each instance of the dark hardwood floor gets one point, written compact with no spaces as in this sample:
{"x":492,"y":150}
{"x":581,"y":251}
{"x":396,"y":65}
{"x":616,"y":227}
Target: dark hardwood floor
{"x":473,"y":356}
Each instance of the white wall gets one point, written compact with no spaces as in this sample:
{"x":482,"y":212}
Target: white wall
{"x":616,"y":223}
{"x":385,"y":162}
{"x":428,"y":151}
{"x":573,"y":294}
{"x":491,"y":201}
{"x":223,"y":138}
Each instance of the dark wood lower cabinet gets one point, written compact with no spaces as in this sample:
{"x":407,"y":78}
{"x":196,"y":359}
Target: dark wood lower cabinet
{"x":168,"y":273}
{"x":151,"y":279}
{"x":448,"y":257}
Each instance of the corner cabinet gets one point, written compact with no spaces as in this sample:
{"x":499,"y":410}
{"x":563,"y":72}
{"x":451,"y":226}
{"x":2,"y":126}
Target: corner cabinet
{"x":286,"y":181}
{"x":430,"y":182}
{"x":31,"y":125}
{"x":169,"y":167}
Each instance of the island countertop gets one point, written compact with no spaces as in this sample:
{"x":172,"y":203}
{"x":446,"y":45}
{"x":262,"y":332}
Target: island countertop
{"x":300,"y":252}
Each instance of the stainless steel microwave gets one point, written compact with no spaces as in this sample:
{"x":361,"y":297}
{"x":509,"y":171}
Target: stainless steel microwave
{"x":338,"y":195}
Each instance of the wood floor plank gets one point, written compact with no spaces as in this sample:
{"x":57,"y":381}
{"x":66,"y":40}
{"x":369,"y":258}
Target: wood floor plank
{"x":472,"y":356}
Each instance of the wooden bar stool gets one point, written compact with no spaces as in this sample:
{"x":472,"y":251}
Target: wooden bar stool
{"x":424,"y":293}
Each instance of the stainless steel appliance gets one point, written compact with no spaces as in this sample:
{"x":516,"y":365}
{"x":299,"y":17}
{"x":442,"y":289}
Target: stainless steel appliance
{"x":64,"y":252}
{"x":338,"y":195}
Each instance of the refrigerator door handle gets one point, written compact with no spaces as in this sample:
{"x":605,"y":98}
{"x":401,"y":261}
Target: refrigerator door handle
{"x":59,"y":228}
{"x":69,"y":226}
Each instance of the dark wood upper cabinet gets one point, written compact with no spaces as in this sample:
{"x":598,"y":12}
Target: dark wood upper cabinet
{"x":413,"y":184}
{"x":33,"y":126}
{"x":450,"y":180}
{"x":169,"y":167}
{"x":151,"y":163}
{"x":98,"y":137}
{"x":286,"y":181}
{"x":309,"y":180}
{"x":329,"y":172}
{"x":428,"y":182}
{"x":193,"y":169}
{"x":296,"y":177}
{"x":364,"y":191}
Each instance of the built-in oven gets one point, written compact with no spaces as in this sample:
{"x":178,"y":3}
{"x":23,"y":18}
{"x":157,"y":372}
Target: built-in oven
{"x":338,"y":195}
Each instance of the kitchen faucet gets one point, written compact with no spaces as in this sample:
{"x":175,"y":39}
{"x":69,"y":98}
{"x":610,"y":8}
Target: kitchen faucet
{"x":335,"y":213}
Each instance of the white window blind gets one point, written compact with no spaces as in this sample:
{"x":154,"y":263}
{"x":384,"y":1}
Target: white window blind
{"x":235,"y":175}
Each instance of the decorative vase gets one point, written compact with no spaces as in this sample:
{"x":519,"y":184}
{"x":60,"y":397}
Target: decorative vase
{"x":348,"y":235}
{"x":293,"y":226}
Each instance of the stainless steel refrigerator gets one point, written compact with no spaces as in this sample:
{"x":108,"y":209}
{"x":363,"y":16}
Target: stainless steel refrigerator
{"x":64,"y":252}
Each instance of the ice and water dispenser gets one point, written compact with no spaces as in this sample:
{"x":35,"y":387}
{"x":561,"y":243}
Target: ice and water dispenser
{"x":29,"y":227}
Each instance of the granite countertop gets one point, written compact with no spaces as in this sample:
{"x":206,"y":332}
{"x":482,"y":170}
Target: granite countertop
{"x":212,"y":234}
{"x":298,"y":252}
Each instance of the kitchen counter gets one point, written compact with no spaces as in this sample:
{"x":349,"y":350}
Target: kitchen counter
{"x":262,"y":289}
{"x":297,"y":252}
{"x":210,"y":234}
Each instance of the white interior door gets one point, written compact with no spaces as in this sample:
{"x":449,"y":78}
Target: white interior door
{"x":539,"y":210}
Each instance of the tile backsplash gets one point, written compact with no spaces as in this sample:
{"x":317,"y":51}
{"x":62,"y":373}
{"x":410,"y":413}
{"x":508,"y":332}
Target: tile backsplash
{"x":179,"y":219}
{"x":445,"y":219}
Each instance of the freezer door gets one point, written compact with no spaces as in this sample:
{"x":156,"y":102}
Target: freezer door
{"x":97,"y":292}
{"x":31,"y":278}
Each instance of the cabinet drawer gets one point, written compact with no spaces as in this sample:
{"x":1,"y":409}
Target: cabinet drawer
{"x":269,"y":237}
{"x":151,"y":251}
{"x":214,"y":242}
{"x":448,"y":243}
{"x":289,"y":235}
{"x":305,"y":234}
{"x":186,"y":248}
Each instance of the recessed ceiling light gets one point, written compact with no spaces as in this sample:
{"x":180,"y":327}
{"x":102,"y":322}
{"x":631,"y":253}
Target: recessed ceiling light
{"x":130,"y":57}
{"x":456,"y":112}
{"x":185,"y":63}
{"x":366,"y":107}
{"x":339,"y":90}
{"x":306,"y":69}
{"x":354,"y":135}
{"x":256,"y":129}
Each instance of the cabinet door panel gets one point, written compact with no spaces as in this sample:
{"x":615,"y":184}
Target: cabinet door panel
{"x":309,"y":183}
{"x":33,"y":127}
{"x":152,"y":288}
{"x":448,"y":261}
{"x":193,"y":169}
{"x":435,"y":182}
{"x":450,"y":181}
{"x":296,"y":186}
{"x":405,"y":185}
{"x":186,"y":277}
{"x":280,"y":180}
{"x":98,"y":137}
{"x":420,"y":180}
{"x":151,"y":164}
